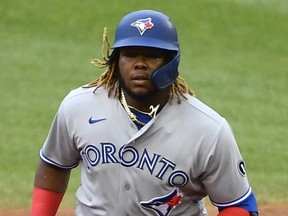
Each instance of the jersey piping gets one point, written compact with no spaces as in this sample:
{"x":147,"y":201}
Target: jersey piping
{"x":47,"y":160}
{"x":247,"y":194}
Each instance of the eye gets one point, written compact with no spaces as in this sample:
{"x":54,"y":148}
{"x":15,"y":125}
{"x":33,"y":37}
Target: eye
{"x":155,"y":55}
{"x":128,"y":54}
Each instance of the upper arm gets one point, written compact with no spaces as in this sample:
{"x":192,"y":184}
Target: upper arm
{"x":51,"y":178}
{"x":224,"y":179}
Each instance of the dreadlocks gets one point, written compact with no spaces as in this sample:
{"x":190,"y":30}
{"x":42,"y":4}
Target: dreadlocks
{"x":109,"y":78}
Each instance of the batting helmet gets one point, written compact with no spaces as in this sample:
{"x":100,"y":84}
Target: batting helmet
{"x":150,"y":28}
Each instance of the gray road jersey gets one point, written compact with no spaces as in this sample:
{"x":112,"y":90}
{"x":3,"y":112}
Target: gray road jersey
{"x":184,"y":154}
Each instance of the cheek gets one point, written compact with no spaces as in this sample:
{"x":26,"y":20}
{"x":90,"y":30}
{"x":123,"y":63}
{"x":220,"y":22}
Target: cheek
{"x":123,"y":68}
{"x":158,"y":63}
{"x":123,"y":71}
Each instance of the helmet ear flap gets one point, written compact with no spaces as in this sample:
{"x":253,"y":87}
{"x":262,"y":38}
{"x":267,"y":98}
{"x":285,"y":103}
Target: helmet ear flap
{"x":167,"y":74}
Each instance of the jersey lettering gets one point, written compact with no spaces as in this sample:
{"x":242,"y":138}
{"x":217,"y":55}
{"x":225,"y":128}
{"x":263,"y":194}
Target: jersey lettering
{"x":128,"y":156}
{"x":166,"y":165}
{"x":108,"y":152}
{"x":178,"y":178}
{"x":91,"y":155}
{"x":146,"y":160}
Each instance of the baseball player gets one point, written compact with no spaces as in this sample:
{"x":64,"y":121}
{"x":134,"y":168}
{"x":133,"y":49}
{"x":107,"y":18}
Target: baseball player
{"x":145,"y":144}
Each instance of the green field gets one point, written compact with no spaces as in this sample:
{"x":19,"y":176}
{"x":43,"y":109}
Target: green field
{"x":234,"y":55}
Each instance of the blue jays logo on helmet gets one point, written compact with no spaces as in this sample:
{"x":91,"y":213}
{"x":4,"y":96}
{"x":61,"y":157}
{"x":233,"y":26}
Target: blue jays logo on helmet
{"x":162,"y":206}
{"x":143,"y":24}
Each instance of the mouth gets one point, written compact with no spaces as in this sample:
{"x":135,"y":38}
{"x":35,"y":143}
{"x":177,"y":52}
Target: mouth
{"x":140,"y":79}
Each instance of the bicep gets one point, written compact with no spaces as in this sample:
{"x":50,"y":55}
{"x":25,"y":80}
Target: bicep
{"x":51,"y":178}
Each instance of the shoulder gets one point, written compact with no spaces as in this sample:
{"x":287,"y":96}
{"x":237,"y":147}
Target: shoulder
{"x":201,"y":111}
{"x":83,"y":91}
{"x":82,"y":97}
{"x":209,"y":121}
{"x":84,"y":94}
{"x":199,"y":118}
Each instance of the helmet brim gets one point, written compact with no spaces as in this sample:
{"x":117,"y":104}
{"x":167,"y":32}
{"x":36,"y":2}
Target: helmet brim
{"x":146,"y":42}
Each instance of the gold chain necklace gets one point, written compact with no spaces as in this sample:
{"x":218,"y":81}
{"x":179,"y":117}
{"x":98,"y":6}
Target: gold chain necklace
{"x":133,"y":117}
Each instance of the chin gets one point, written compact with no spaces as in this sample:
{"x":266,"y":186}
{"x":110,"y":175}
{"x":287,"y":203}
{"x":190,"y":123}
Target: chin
{"x":140,"y":93}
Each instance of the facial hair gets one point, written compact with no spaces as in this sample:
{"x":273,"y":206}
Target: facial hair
{"x":141,"y":97}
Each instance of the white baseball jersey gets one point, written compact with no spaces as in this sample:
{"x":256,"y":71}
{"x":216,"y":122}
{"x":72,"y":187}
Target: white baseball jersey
{"x":166,"y":168}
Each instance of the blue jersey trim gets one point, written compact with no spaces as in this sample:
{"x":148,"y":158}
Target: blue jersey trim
{"x":247,"y":202}
{"x":47,"y":160}
{"x":250,"y":203}
{"x":235,"y":202}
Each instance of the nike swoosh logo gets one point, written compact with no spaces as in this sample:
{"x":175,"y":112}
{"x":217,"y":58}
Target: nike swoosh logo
{"x":93,"y":121}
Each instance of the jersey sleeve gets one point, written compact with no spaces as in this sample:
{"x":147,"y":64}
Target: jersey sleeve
{"x":225,"y":178}
{"x":59,"y":148}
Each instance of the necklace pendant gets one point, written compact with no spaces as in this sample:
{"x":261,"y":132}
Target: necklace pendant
{"x":154,"y":110}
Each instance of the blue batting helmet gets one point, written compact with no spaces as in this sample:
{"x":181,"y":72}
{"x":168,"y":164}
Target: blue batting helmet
{"x":150,"y":28}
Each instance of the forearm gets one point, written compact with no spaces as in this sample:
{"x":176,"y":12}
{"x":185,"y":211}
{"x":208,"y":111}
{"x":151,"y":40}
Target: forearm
{"x":49,"y":187}
{"x":45,"y":202}
{"x":236,"y":211}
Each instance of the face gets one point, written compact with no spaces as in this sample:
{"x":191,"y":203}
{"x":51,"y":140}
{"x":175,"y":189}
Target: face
{"x":136,"y":64}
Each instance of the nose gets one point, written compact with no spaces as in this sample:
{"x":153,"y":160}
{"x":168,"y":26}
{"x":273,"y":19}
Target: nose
{"x":140,"y":63}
